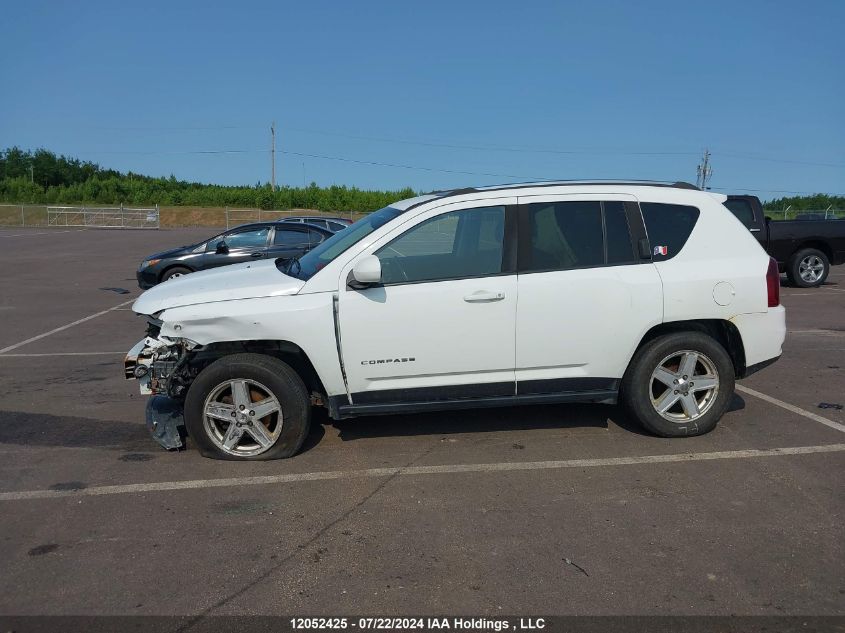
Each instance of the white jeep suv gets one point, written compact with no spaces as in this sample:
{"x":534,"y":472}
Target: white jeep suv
{"x":652,"y":294}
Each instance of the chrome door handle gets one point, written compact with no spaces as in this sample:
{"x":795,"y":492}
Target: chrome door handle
{"x":257,"y":255}
{"x":484,"y":296}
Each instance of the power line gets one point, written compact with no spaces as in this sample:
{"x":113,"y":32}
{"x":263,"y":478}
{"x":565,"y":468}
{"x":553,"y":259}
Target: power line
{"x":418,"y":167}
{"x":497,"y":148}
{"x":488,"y":148}
{"x":411,"y":167}
{"x":802,"y":193}
{"x":175,"y":128}
{"x":574,"y":152}
{"x":779,"y":160}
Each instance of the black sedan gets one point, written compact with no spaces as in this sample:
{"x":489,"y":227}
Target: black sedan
{"x":242,"y":244}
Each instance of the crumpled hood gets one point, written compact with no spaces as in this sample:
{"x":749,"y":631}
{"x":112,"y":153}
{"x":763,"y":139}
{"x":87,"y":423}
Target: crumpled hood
{"x":227,"y":283}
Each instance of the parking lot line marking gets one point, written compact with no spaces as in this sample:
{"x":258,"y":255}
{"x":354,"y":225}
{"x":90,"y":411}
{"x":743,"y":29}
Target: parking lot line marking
{"x":162,"y":486}
{"x":791,"y":407}
{"x":63,"y":327}
{"x":821,"y":332}
{"x":63,"y":354}
{"x":42,"y":233}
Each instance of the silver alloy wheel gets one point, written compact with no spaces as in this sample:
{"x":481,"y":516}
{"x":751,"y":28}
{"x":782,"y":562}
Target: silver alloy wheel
{"x":242,"y":417}
{"x":811,"y":268}
{"x":174,"y":276}
{"x":684,"y":386}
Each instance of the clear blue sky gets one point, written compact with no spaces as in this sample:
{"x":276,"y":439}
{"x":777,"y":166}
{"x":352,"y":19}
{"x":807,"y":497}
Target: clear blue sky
{"x":611,"y":90}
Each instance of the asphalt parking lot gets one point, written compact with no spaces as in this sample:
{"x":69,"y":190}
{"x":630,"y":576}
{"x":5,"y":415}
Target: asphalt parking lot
{"x":530,"y":510}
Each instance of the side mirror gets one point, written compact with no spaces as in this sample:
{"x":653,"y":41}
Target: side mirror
{"x":366,"y":272}
{"x":221,"y":249}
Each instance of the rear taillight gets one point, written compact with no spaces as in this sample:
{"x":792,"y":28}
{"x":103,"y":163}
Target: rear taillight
{"x":773,"y":283}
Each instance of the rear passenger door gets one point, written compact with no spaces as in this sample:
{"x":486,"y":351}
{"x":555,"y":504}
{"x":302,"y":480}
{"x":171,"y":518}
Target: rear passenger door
{"x":586,"y":292}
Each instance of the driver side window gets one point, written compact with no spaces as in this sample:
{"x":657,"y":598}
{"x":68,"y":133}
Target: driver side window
{"x":454,"y":245}
{"x":250,"y":238}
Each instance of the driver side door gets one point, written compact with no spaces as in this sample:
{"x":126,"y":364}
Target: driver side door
{"x":441,"y":324}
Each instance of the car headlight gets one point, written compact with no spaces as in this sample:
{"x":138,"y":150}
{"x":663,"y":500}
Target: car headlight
{"x":149,"y":262}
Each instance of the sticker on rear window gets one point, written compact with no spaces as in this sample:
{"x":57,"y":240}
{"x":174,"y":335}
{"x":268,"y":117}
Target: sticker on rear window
{"x":661,"y":250}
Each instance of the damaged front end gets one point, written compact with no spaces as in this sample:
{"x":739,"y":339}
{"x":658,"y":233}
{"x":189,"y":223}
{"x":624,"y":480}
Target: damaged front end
{"x":162,"y":367}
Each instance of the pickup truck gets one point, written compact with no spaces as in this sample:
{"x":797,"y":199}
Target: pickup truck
{"x":804,"y":249}
{"x":649,"y":294}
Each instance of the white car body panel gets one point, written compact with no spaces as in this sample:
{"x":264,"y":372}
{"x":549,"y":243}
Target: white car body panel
{"x":557,"y":325}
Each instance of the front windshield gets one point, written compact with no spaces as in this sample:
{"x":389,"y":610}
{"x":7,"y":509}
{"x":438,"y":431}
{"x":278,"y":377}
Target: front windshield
{"x":314,"y":260}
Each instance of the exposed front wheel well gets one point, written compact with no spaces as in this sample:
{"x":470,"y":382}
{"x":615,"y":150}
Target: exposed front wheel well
{"x":285,"y":351}
{"x":725,"y":332}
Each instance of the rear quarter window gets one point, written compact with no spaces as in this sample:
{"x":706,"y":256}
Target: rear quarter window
{"x":668,"y":227}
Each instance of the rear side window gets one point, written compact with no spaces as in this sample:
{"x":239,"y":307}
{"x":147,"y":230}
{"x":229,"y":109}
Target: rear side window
{"x":289,"y":237}
{"x":742,"y":210}
{"x":668,"y":227}
{"x":314,"y":237}
{"x":581,"y":234}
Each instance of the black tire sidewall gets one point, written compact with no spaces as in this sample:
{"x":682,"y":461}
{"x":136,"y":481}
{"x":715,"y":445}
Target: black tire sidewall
{"x":176,"y":269}
{"x":277,"y":376}
{"x":636,"y":384}
{"x":795,"y":275}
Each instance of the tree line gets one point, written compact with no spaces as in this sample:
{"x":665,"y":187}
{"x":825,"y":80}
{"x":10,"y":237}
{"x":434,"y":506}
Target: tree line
{"x":42,"y":177}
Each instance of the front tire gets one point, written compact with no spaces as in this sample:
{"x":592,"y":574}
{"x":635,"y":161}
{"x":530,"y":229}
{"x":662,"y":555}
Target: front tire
{"x":808,"y":268}
{"x":679,"y":384}
{"x":176,"y":271}
{"x":248,"y":407}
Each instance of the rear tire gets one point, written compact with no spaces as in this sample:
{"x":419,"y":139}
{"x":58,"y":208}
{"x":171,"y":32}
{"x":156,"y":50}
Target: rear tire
{"x":659,"y":389}
{"x":808,"y":268}
{"x":224,"y":407}
{"x":176,"y":271}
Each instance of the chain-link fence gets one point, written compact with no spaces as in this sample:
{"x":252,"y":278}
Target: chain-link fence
{"x":104,"y":217}
{"x":92,"y":217}
{"x":23,"y":215}
{"x":806,"y":214}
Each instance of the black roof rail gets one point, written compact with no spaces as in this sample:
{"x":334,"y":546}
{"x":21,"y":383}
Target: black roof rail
{"x":448,"y":193}
{"x":685,"y":185}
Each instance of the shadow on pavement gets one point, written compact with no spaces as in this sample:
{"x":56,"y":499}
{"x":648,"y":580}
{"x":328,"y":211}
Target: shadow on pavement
{"x":476,"y":420}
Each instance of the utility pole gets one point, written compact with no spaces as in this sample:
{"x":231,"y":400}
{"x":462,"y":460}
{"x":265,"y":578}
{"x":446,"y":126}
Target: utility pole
{"x":704,"y":171}
{"x":273,"y":156}
{"x":31,"y":174}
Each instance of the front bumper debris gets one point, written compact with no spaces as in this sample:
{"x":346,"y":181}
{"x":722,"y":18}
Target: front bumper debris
{"x":166,"y":422}
{"x":153,"y":363}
